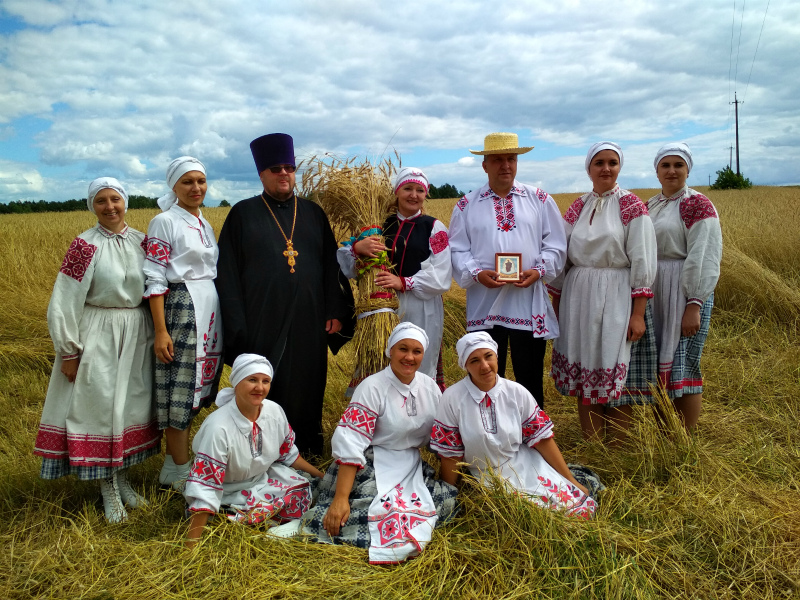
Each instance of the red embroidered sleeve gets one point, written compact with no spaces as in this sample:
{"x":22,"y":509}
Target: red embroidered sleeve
{"x":360,"y":419}
{"x":446,"y":439}
{"x":158,"y":251}
{"x":642,"y":292}
{"x":574,"y":211}
{"x":78,"y":258}
{"x":439,"y":241}
{"x":536,"y":428}
{"x":288,"y":443}
{"x":630,"y":208}
{"x":696,"y":208}
{"x":207,"y":471}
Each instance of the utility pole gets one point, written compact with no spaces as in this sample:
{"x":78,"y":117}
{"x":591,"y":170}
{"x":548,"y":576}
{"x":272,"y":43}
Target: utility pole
{"x":730,"y":156}
{"x":737,"y":103}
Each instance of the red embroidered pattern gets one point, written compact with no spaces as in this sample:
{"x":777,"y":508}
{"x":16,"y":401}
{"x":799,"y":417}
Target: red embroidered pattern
{"x":78,"y":258}
{"x":641,"y":292}
{"x":439,"y":241}
{"x":360,"y":419}
{"x":296,"y":503}
{"x":630,"y":208}
{"x":288,"y":443}
{"x":143,"y":244}
{"x":590,"y":384}
{"x":95,"y":450}
{"x":446,"y":438}
{"x":504,"y":213}
{"x":539,"y":328}
{"x":536,"y":428}
{"x":695,"y":208}
{"x":462,"y":203}
{"x":488,"y":415}
{"x":158,"y":251}
{"x":207,"y":471}
{"x":541,"y":194}
{"x":574,"y":211}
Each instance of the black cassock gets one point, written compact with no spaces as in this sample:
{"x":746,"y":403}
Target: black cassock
{"x":268,"y":310}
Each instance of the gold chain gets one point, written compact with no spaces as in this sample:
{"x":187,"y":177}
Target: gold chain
{"x":290,"y":252}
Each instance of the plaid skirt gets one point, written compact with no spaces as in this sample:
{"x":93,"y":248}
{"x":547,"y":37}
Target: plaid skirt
{"x":356,"y":530}
{"x":176,"y":382}
{"x":685,"y":378}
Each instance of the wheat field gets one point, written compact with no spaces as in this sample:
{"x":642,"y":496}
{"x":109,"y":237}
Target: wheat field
{"x":716,"y":515}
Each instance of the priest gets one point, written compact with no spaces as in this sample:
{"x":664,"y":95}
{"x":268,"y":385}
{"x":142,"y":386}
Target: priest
{"x":281,"y":292}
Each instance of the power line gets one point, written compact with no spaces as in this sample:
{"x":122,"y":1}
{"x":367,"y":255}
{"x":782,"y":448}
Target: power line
{"x":738,"y":47}
{"x":756,"y":52}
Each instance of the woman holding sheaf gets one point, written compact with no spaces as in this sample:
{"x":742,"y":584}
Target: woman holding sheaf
{"x":419,"y":249}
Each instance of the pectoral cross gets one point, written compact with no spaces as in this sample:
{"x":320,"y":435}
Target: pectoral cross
{"x":290,"y":253}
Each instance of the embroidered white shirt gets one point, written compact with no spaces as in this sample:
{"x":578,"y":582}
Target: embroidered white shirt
{"x":180,"y":247}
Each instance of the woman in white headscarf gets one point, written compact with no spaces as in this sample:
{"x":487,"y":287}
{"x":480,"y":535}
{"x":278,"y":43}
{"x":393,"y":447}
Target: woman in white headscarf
{"x":180,"y":268}
{"x":611,"y":265}
{"x":419,"y":248}
{"x":496,"y":426}
{"x":98,"y":417}
{"x":379,"y":493}
{"x":245,"y":457}
{"x":689,"y":242}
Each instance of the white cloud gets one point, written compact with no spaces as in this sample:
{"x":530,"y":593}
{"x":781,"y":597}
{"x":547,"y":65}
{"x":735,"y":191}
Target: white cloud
{"x":127,"y":86}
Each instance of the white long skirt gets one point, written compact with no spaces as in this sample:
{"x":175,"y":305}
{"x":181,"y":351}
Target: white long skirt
{"x":591,"y":356}
{"x":105,"y":420}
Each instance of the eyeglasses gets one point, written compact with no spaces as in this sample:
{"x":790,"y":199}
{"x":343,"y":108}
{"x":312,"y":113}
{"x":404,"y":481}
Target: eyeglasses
{"x":277,"y":169}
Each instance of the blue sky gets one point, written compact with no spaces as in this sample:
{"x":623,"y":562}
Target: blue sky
{"x":107,"y":87}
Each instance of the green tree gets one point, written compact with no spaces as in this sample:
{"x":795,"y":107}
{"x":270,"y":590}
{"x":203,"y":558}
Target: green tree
{"x":728,"y":180}
{"x":225,"y":203}
{"x":446,"y":190}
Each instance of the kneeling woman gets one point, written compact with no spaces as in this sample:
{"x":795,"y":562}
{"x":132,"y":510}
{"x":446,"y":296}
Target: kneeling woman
{"x":245,"y":457}
{"x":493,"y":423}
{"x":379,"y":494}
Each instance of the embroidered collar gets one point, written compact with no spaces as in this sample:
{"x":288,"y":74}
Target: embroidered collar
{"x":488,"y":192}
{"x":478,"y":395}
{"x":602,"y":199}
{"x":405,"y":390}
{"x":657,"y":203}
{"x":110,"y":234}
{"x":414,"y":216}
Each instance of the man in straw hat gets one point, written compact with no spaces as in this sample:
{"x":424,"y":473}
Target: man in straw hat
{"x":506,"y":217}
{"x":281,"y":292}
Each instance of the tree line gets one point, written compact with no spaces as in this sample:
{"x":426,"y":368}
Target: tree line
{"x":446,"y":190}
{"x":37,"y":206}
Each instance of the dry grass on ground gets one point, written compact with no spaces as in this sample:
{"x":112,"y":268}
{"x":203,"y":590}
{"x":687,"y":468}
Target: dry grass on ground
{"x":717,"y":516}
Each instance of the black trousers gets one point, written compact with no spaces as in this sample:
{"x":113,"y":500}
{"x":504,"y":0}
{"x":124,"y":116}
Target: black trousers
{"x":527,"y":358}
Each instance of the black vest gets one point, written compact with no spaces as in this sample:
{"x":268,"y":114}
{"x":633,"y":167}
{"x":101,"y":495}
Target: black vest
{"x":408,"y":242}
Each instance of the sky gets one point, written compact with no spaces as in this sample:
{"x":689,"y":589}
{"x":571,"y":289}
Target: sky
{"x":93,"y":88}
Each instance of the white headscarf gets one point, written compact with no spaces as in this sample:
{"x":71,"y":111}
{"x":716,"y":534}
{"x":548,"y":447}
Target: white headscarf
{"x":177,"y":169}
{"x":600,"y":146}
{"x":471,"y":342}
{"x":244,"y":366}
{"x":407,"y":331}
{"x":102,"y":183}
{"x":674,"y":149}
{"x":413,"y":175}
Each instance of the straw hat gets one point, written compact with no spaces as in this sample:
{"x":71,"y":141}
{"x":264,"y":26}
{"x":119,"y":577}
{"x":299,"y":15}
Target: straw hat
{"x":502,"y":143}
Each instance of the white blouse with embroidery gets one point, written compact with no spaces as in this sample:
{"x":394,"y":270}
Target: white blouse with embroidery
{"x":395,"y":419}
{"x":100,"y":268}
{"x":527,"y":221}
{"x":498,"y":430}
{"x":180,"y":247}
{"x":687,"y":228}
{"x":247,"y":466}
{"x":611,"y":231}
